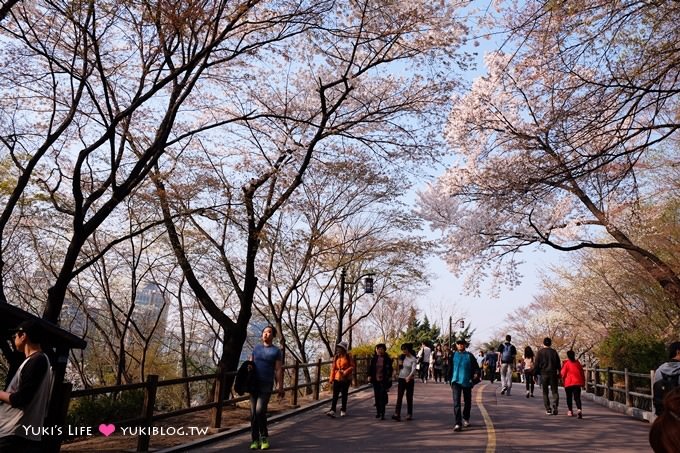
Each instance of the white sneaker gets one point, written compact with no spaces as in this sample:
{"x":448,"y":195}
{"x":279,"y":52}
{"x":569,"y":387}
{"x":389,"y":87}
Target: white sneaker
{"x":331,"y":414}
{"x":457,"y":428}
{"x":466,"y":423}
{"x":343,"y":413}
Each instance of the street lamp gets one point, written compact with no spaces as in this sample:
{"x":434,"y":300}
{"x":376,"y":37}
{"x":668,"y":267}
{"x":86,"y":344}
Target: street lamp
{"x":368,"y":289}
{"x":462,"y":326}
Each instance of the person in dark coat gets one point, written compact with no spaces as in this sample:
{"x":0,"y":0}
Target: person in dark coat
{"x":380,"y":376}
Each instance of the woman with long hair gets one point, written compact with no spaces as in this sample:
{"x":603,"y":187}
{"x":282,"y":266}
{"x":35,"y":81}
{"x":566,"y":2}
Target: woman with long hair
{"x":529,"y":370}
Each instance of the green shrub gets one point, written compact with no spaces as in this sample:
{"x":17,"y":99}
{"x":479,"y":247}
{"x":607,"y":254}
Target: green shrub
{"x":633,"y":350}
{"x":92,"y":411}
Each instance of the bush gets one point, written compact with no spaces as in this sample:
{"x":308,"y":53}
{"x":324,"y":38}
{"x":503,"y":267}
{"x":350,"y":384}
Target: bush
{"x":92,"y":411}
{"x":632,"y":350}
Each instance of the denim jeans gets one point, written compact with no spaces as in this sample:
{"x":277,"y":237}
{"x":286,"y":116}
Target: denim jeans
{"x":259,"y":400}
{"x":466,"y":393}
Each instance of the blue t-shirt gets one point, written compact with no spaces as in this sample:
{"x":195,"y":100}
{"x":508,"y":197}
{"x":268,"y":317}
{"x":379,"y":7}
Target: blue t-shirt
{"x":265,"y":358}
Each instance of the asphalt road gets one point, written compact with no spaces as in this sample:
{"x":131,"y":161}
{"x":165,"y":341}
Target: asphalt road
{"x":499,"y":423}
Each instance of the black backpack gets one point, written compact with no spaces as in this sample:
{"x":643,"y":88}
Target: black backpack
{"x":245,"y":378}
{"x":662,"y":387}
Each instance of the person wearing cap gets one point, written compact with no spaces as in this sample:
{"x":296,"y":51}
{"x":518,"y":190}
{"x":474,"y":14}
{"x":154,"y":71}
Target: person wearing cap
{"x":341,"y":378}
{"x":380,"y":376}
{"x":23,"y":405}
{"x":464,"y":371}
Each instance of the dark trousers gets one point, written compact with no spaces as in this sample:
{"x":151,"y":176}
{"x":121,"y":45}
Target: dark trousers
{"x":259,"y":400}
{"x":422,"y":372}
{"x":380,"y":394}
{"x":466,"y":393}
{"x":573,"y":391}
{"x":340,"y":388}
{"x":438,"y":374}
{"x":549,"y":382}
{"x":529,"y":380}
{"x":405,"y":387}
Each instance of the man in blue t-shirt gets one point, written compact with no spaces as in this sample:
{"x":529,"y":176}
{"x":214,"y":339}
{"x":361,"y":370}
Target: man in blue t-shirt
{"x":268,"y":360}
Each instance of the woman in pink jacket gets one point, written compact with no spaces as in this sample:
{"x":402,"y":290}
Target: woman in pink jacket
{"x":573,"y":378}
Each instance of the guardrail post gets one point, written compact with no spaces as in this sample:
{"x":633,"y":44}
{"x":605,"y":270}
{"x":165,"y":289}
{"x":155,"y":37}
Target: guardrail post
{"x":218,"y":397}
{"x":651,"y":388}
{"x":610,"y":384}
{"x":588,"y":375}
{"x":597,"y":382}
{"x":317,"y":384}
{"x":626,"y":383}
{"x":147,"y":411}
{"x":296,"y":380}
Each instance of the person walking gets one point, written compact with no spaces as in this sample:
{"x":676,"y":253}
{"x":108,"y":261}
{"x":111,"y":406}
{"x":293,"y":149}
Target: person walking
{"x":664,"y":435}
{"x":24,"y":403}
{"x":507,"y":353}
{"x":666,"y":377}
{"x":492,"y":363}
{"x":424,"y":355}
{"x":464,"y":371}
{"x":529,"y":378}
{"x":573,"y":378}
{"x":380,"y":376}
{"x":341,"y":378}
{"x":268,"y":364}
{"x":438,"y":363}
{"x":406,"y":381}
{"x":548,"y":366}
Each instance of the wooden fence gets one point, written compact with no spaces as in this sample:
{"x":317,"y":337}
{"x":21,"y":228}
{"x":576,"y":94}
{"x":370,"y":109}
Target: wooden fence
{"x":634,"y":390}
{"x":149,"y":414}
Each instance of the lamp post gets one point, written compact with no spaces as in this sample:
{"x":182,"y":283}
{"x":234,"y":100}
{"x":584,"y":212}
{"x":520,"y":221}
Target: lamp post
{"x":462,"y":325}
{"x":368,"y":289}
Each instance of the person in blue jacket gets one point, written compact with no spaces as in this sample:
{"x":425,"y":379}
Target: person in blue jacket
{"x":464,"y":370}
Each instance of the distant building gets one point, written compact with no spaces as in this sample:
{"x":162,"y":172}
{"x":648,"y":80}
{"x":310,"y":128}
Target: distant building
{"x":151,"y":308}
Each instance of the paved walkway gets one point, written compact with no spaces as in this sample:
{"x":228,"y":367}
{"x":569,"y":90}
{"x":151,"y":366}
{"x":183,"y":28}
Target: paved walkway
{"x":499,"y":424}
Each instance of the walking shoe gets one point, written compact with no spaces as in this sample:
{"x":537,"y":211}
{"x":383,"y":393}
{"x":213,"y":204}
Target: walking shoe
{"x":396,"y":417}
{"x":409,"y":417}
{"x":264,"y":445}
{"x":457,"y":428}
{"x":507,"y":393}
{"x":377,"y":415}
{"x":382,"y":416}
{"x":548,"y":411}
{"x":503,"y":390}
{"x":554,"y":411}
{"x":343,"y":413}
{"x":579,"y":414}
{"x":331,"y":414}
{"x":527,"y":394}
{"x":466,"y":423}
{"x":570,"y":414}
{"x":255,"y":445}
{"x":532,"y":395}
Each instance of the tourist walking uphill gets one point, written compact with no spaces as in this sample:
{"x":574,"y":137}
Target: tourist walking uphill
{"x":341,"y":378}
{"x":573,"y":379}
{"x":268,"y":363}
{"x":529,"y":378}
{"x":424,"y":361}
{"x":464,"y":374}
{"x":380,"y":376}
{"x":406,"y":382}
{"x":24,"y":404}
{"x":507,"y":353}
{"x":548,"y":366}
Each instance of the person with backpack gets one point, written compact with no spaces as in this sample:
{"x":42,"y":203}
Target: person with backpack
{"x":268,"y":365}
{"x":573,"y":378}
{"x":666,"y":377}
{"x":380,"y":376}
{"x":464,"y":375}
{"x":507,"y":353}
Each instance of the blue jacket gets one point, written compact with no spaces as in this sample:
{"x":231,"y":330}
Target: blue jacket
{"x":464,"y":366}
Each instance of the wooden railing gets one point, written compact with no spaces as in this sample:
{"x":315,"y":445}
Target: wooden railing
{"x":634,"y":390}
{"x":297,"y":386}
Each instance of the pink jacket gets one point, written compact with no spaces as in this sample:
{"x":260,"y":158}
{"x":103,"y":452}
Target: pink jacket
{"x":572,"y":374}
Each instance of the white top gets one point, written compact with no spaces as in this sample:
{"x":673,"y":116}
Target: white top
{"x":425,"y":354}
{"x":408,"y":368}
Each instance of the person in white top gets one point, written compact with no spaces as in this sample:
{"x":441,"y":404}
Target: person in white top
{"x":407,"y":378}
{"x":424,"y":359}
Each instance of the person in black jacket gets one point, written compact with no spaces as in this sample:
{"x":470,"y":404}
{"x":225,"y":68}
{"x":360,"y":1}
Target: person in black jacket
{"x":380,"y":375}
{"x":548,"y":365}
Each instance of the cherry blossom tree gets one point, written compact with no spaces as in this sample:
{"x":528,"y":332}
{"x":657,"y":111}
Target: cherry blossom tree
{"x":554,"y":144}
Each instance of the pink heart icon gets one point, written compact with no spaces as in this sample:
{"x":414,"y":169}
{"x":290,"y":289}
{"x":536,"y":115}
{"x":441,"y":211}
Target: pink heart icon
{"x":107,"y":430}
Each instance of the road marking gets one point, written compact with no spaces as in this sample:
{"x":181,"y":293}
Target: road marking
{"x":490,"y":431}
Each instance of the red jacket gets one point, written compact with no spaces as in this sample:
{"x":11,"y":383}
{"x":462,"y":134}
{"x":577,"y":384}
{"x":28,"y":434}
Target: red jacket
{"x":572,"y":374}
